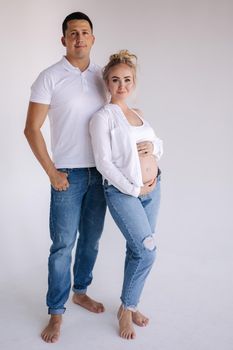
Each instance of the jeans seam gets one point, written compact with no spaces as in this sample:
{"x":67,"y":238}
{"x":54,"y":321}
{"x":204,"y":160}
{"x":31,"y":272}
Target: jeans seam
{"x":89,"y":177}
{"x":130,"y":285}
{"x":51,"y":220}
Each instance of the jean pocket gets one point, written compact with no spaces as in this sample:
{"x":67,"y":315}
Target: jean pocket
{"x":108,"y":188}
{"x":67,"y":171}
{"x":64,"y":170}
{"x":105,"y":184}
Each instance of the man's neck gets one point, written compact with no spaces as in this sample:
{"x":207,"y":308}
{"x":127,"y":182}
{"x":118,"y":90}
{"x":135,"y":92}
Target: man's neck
{"x":82,"y":64}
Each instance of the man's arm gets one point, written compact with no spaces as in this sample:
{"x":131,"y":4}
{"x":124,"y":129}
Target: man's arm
{"x":37,"y":113}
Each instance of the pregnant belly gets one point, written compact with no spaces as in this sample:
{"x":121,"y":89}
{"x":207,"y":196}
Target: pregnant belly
{"x":149,"y":168}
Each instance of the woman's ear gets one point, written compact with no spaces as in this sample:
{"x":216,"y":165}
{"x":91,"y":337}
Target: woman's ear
{"x":107,"y":84}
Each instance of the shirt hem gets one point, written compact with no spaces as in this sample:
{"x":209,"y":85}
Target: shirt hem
{"x":74,"y":165}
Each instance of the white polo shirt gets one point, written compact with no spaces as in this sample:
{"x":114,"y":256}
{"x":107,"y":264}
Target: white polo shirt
{"x":73,"y":97}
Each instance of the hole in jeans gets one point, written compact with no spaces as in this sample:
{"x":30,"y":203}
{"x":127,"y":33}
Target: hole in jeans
{"x":149,"y":242}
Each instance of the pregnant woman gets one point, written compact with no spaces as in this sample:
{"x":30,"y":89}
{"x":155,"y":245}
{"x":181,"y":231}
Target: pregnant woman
{"x":126,"y":152}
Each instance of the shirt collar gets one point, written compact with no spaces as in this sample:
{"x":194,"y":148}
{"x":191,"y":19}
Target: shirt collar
{"x":68,"y":66}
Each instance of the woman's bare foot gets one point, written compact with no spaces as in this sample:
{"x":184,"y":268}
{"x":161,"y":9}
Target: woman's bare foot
{"x":126,"y":329}
{"x":51,"y":333}
{"x":88,"y":303}
{"x":139,"y":319}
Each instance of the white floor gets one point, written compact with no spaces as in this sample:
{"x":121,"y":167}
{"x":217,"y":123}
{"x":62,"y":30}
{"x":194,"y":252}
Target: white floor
{"x":189,"y":303}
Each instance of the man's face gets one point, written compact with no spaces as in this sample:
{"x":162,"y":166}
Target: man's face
{"x":78,"y":39}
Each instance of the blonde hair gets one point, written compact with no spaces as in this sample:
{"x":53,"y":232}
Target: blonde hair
{"x":123,"y":56}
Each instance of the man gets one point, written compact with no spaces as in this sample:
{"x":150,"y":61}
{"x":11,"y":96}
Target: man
{"x":69,"y":92}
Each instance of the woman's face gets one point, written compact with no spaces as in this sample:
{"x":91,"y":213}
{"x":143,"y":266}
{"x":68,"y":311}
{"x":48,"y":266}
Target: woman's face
{"x":120,"y":81}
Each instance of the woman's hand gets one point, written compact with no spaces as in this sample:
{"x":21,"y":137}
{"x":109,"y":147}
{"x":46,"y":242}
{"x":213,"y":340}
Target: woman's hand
{"x":148,"y":187}
{"x":145,"y":148}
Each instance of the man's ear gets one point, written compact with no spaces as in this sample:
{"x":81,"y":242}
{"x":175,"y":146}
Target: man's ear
{"x":63,"y":41}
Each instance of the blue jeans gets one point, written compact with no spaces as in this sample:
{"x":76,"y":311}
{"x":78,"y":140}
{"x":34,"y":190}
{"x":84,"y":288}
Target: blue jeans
{"x":80,"y":208}
{"x":136,"y":218}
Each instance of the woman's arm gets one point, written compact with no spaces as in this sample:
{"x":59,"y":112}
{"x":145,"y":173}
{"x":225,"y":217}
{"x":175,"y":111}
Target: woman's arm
{"x":101,"y":143}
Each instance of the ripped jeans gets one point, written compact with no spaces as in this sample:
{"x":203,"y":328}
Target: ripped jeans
{"x":136,"y":218}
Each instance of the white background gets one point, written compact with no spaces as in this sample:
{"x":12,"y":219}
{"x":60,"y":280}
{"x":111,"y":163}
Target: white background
{"x":185,"y":56}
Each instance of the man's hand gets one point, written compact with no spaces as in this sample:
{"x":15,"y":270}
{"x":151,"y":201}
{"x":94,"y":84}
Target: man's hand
{"x":148,"y":187}
{"x":145,"y":148}
{"x":59,"y":180}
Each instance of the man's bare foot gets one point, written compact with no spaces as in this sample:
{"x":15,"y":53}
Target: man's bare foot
{"x":139,"y":319}
{"x":88,"y":303}
{"x":126,"y":329}
{"x":51,"y":333}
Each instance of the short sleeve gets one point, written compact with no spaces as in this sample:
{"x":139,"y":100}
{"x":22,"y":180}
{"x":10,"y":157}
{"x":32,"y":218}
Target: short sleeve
{"x":41,"y":89}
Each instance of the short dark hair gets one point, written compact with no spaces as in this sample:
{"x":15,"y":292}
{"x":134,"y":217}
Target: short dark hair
{"x":75,"y":15}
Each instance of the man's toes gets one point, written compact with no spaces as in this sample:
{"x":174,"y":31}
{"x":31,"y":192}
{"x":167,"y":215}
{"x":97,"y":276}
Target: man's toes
{"x":98,"y":308}
{"x":101,"y":308}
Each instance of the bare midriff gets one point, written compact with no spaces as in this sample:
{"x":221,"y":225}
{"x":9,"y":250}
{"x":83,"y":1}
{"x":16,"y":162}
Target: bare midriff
{"x":149,"y":167}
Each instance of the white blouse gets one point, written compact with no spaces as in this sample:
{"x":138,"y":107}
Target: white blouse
{"x":114,"y":143}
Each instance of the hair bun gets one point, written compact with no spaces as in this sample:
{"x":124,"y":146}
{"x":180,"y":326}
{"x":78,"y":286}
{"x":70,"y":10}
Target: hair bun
{"x":123,"y":55}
